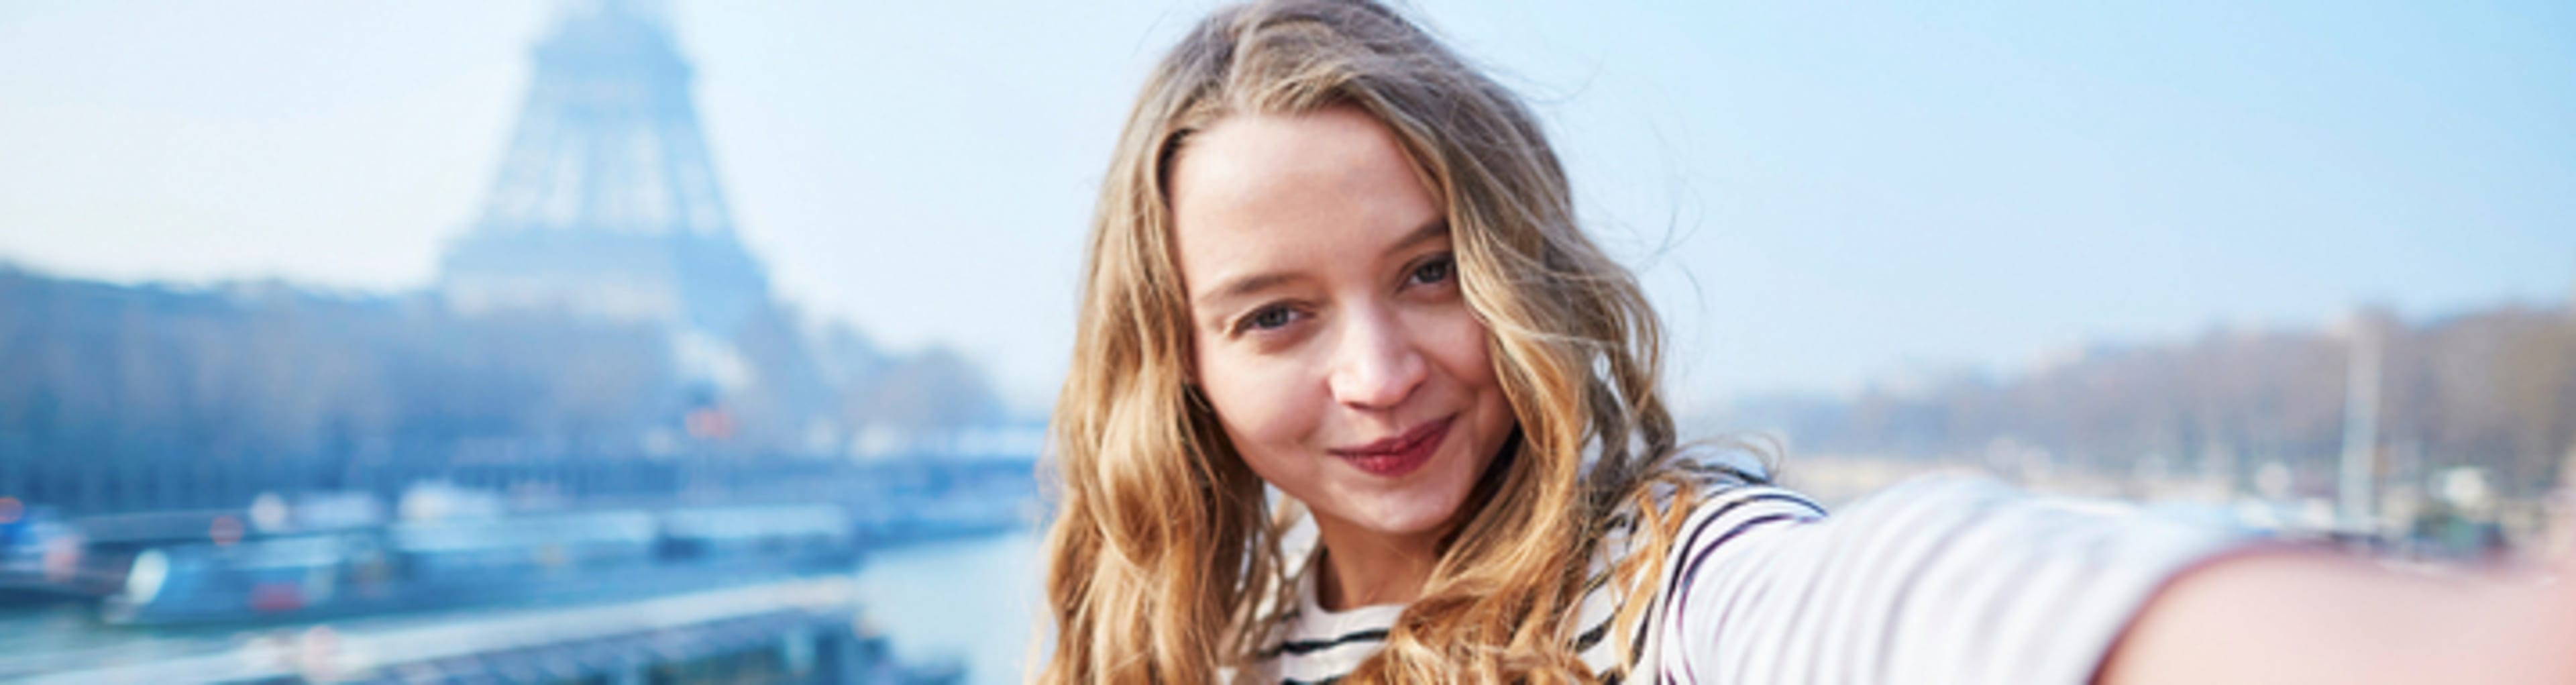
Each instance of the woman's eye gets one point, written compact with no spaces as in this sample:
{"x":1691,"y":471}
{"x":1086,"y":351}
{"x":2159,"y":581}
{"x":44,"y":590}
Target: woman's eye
{"x":1267,"y":318}
{"x":1436,"y":270}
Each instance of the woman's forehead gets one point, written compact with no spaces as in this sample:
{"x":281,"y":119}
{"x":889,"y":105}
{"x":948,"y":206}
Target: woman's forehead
{"x":1253,"y":191}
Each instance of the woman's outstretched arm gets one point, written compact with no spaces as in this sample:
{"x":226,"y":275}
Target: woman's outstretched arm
{"x":2300,"y":616}
{"x":1936,"y":580}
{"x":1965,"y":580}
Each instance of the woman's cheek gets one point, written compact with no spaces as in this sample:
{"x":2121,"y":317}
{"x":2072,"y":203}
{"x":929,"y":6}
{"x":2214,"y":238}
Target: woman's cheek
{"x":1296,"y":405}
{"x":1272,"y":432}
{"x":1461,"y":343}
{"x":1260,"y":403}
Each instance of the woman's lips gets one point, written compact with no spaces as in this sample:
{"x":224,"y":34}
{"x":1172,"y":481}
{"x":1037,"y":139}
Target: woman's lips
{"x":1399,"y":455}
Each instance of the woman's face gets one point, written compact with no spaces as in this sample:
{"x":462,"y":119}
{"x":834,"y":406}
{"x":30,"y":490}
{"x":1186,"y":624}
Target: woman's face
{"x":1328,"y":329}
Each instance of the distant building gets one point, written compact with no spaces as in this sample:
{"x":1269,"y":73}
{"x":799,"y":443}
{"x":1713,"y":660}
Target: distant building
{"x":606,"y":204}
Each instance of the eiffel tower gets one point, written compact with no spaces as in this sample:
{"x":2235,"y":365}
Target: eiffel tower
{"x":606,"y":205}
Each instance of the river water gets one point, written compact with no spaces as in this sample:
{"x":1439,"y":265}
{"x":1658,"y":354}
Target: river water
{"x":972,"y":601}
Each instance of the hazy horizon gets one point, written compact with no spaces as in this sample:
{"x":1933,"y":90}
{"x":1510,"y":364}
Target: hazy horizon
{"x":1816,"y":196}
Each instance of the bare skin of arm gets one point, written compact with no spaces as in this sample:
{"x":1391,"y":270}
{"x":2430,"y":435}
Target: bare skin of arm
{"x":2302,"y":616}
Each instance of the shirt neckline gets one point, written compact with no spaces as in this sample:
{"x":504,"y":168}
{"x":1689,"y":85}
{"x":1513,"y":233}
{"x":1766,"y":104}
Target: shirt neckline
{"x":1310,"y":604}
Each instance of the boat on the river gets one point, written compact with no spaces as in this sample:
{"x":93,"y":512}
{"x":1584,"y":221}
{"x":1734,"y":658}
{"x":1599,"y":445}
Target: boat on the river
{"x":480,"y":561}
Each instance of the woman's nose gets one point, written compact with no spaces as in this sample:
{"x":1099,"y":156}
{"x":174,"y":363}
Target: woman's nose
{"x":1376,"y":365}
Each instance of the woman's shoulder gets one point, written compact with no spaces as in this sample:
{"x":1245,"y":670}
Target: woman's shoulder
{"x":1763,"y":588}
{"x":1723,"y":486}
{"x":1702,"y":500}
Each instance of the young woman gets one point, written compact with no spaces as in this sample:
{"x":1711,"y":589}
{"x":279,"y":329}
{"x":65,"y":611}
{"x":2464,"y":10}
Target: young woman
{"x":1334,"y":263}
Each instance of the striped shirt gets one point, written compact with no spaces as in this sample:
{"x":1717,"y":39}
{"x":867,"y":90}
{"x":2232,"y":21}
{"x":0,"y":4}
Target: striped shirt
{"x":1939,"y":579}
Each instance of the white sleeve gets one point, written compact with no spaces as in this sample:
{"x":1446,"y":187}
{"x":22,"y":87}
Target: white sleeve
{"x":1944,"y":579}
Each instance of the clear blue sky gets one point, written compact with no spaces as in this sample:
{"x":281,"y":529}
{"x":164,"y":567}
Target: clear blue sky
{"x":1818,"y":193}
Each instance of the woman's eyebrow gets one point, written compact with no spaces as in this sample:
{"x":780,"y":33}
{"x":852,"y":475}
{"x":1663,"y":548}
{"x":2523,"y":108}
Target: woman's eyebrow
{"x":1436,"y":228}
{"x":1248,"y":285}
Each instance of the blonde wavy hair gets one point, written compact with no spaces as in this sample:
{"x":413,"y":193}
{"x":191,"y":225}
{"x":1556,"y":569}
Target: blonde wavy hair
{"x":1164,"y":552}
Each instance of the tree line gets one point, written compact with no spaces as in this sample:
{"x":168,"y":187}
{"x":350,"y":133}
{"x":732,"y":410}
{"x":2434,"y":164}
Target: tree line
{"x":2493,"y":388}
{"x":294,"y":388}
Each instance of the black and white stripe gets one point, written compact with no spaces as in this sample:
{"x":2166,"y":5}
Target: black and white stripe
{"x":1945,"y":579}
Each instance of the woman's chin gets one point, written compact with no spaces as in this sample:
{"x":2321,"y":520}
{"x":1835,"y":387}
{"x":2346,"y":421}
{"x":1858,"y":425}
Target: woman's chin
{"x":1409,"y":517}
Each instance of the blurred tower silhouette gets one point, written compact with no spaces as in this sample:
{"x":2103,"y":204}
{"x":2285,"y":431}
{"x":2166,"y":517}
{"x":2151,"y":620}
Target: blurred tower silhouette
{"x":606,"y":204}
